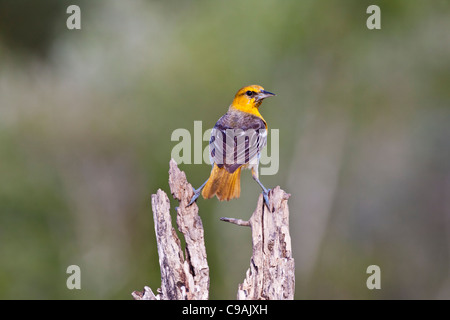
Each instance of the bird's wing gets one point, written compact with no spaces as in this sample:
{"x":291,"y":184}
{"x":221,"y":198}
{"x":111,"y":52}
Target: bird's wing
{"x":234,"y":147}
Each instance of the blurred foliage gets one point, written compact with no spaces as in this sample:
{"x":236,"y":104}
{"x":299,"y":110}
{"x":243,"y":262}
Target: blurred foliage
{"x":28,"y":26}
{"x":86,"y":118}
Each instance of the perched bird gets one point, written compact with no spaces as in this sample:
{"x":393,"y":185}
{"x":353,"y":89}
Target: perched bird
{"x":236,"y":142}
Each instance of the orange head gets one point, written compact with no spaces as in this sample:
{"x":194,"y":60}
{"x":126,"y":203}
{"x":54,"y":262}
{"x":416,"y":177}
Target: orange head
{"x":249,"y":98}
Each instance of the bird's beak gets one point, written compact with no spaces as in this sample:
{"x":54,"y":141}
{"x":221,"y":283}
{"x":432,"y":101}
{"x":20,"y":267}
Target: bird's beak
{"x":264,"y":94}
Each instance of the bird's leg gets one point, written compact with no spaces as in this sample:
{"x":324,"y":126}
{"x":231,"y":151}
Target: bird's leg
{"x":197,"y":193}
{"x":265,"y":191}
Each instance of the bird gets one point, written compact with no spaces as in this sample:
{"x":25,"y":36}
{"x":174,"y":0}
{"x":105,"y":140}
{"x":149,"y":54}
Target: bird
{"x":236,"y":142}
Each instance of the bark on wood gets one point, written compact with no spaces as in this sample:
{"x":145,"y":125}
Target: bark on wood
{"x":183,"y":276}
{"x":186,"y":276}
{"x":271,"y":275}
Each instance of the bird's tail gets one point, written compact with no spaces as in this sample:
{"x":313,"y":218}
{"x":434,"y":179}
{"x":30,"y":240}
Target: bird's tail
{"x":224,"y":185}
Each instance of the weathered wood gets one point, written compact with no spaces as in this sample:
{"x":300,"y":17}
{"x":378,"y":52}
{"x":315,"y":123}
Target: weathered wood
{"x":190,"y":225}
{"x":183,"y":277}
{"x":271,"y":275}
{"x":186,"y":276}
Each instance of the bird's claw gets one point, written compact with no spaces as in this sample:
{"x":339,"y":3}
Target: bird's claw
{"x":194,"y":197}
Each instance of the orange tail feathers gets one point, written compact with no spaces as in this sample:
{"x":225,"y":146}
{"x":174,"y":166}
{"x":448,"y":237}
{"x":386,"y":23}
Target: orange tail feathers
{"x":224,"y":185}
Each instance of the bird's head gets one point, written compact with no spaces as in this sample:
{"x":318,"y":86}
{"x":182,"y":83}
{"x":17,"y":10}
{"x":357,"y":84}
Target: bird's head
{"x":249,"y":98}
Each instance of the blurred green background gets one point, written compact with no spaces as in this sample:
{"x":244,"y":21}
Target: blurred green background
{"x":86,"y":118}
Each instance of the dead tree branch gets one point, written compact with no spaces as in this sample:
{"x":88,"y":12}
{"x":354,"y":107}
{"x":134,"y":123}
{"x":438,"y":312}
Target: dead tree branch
{"x":271,"y":275}
{"x":183,"y":276}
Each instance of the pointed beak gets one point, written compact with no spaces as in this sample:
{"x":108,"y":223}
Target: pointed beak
{"x":264,"y":94}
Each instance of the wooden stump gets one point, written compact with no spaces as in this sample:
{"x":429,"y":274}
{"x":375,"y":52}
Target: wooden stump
{"x":185,"y":276}
{"x":271,"y":275}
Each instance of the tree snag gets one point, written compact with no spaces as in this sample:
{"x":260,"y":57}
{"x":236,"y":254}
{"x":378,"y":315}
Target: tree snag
{"x":186,"y":276}
{"x":271,"y":275}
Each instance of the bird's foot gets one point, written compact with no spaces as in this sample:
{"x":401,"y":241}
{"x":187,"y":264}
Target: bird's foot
{"x":195,"y":196}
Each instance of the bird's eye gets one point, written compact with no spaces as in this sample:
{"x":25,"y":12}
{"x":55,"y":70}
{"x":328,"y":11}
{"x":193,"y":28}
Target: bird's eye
{"x":249,"y":93}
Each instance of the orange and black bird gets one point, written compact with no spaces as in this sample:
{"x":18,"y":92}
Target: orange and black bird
{"x":236,"y":142}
